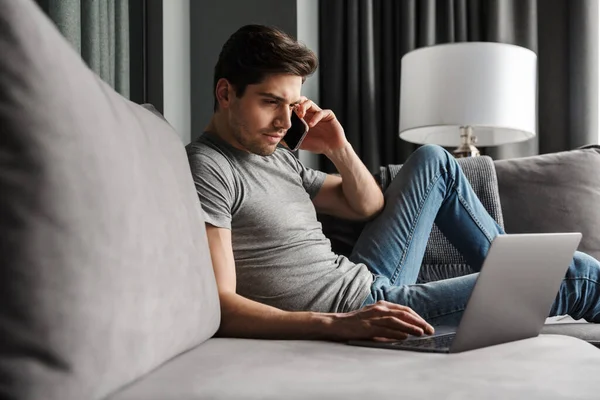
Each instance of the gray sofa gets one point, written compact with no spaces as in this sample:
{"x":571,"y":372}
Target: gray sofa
{"x":106,"y":284}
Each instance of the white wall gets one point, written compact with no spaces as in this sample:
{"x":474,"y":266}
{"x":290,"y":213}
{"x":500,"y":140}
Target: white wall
{"x":176,"y":66}
{"x":308,"y":33}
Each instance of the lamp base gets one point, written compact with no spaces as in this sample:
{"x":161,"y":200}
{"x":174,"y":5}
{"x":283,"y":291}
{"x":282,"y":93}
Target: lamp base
{"x":467,"y":147}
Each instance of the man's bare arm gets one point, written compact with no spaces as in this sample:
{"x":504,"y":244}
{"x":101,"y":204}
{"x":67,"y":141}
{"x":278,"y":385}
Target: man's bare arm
{"x":241,"y":317}
{"x":354,"y":194}
{"x":359,"y":187}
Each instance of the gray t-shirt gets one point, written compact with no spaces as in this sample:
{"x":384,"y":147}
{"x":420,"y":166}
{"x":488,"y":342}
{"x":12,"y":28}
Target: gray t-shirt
{"x":282,"y":257}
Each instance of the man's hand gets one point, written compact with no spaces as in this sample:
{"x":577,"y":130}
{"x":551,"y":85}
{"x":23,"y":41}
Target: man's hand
{"x":325,"y":134}
{"x":382,"y":321}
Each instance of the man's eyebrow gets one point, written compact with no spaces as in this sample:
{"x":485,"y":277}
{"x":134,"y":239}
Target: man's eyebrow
{"x":278,"y":98}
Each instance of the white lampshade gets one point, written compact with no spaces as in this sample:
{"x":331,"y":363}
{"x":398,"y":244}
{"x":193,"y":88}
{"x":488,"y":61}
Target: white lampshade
{"x":491,"y":87}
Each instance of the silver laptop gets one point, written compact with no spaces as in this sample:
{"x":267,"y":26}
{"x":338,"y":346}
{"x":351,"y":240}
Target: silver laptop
{"x":511,"y":299}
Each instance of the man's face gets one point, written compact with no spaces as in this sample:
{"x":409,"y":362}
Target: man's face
{"x":260,"y":118}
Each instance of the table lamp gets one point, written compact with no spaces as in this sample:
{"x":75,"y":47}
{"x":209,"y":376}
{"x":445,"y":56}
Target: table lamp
{"x":460,"y":94}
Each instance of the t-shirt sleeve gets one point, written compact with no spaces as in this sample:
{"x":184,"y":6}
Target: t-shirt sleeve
{"x":312,"y":180}
{"x":215,"y":188}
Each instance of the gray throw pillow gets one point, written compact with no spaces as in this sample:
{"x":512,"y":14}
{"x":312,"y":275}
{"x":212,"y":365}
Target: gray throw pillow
{"x":105,"y":272}
{"x":557,"y":192}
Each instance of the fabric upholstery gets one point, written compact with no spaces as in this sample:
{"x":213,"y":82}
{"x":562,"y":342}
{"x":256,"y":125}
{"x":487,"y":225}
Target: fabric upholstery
{"x":441,"y":260}
{"x":582,"y":330}
{"x":557,"y":192}
{"x":546,"y":367}
{"x":105,"y":272}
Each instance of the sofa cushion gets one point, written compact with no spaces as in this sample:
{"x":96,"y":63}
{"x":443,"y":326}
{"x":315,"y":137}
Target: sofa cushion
{"x":105,"y":270}
{"x":546,"y":367}
{"x":580,"y":329}
{"x":557,"y":192}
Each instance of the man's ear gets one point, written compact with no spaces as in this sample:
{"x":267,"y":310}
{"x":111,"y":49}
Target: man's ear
{"x":224,"y":91}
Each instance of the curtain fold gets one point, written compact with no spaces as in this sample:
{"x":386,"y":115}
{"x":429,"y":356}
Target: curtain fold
{"x":99,"y":31}
{"x":583,"y":77}
{"x":362,"y":43}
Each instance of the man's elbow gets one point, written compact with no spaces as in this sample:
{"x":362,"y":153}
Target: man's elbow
{"x":375,"y":209}
{"x":371,"y":209}
{"x":228,"y":305}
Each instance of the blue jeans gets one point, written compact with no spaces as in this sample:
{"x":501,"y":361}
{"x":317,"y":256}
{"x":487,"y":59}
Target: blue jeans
{"x":431,"y":187}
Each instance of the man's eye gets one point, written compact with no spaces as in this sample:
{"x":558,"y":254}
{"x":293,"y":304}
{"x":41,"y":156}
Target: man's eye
{"x":271,"y":102}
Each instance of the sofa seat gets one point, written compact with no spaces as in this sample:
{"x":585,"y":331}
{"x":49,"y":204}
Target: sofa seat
{"x":546,"y":367}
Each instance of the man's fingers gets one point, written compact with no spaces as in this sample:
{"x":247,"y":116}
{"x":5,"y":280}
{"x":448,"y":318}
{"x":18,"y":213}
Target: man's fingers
{"x":396,"y":306}
{"x":301,"y":108}
{"x":317,"y":117}
{"x":406,"y":313}
{"x":305,"y":105}
{"x":395,"y":323}
{"x":386,"y":340}
{"x":383,"y":334}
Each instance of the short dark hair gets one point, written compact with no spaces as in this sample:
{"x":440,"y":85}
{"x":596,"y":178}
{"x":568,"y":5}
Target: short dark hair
{"x":255,"y":51}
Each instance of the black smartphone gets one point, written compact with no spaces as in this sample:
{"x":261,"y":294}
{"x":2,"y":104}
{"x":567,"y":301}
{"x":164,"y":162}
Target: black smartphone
{"x":297,"y":132}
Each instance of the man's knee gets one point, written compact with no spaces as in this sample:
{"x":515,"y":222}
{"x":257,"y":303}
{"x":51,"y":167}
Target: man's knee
{"x":585,"y":266}
{"x":431,"y":153}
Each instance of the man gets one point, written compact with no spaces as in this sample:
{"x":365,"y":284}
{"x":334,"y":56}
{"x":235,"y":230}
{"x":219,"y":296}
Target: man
{"x":276,"y":274}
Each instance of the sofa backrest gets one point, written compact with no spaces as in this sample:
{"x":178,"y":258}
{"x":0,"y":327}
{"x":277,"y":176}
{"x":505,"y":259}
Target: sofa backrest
{"x":105,"y":272}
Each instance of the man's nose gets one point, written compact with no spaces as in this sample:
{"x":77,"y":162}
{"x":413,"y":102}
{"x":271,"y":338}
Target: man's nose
{"x":284,"y":119}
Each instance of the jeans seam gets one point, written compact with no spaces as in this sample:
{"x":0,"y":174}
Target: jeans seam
{"x":464,"y":203}
{"x":582,"y":278}
{"x":460,"y":309}
{"x":413,"y":226}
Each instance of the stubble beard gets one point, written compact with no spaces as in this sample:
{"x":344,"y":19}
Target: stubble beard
{"x":255,"y":146}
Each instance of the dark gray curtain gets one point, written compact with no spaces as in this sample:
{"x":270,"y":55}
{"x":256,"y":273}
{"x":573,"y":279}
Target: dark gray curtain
{"x":99,"y":31}
{"x":362,"y":43}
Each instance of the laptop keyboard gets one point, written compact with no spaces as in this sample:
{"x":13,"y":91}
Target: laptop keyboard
{"x":432,"y":342}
